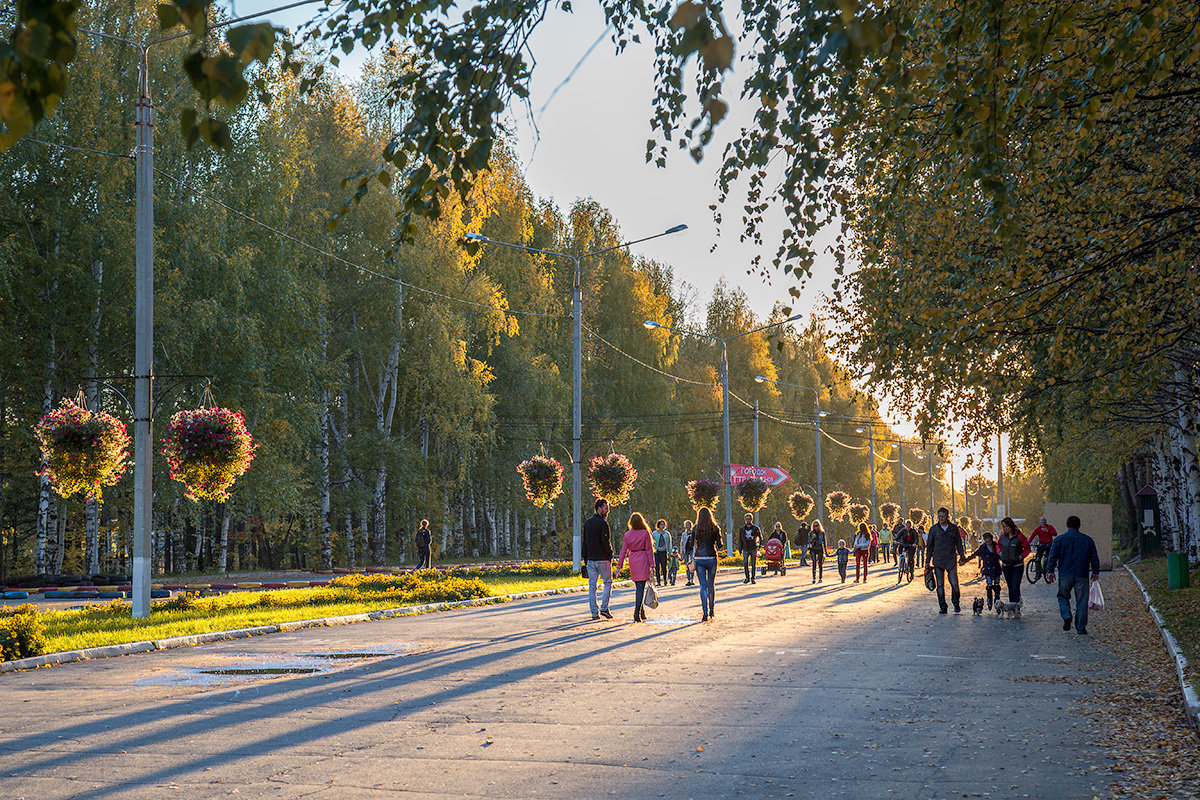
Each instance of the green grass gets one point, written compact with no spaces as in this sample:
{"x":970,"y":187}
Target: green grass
{"x":111,"y":623}
{"x":1180,"y":609}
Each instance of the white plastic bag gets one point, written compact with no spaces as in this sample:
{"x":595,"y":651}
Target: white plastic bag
{"x":1096,"y":597}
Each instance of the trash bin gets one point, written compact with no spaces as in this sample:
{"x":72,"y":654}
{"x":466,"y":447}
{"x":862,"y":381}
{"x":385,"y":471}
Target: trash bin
{"x":1177,"y":571}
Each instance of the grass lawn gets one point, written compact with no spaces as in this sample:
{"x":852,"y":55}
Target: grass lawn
{"x":1180,"y":609}
{"x":111,"y":623}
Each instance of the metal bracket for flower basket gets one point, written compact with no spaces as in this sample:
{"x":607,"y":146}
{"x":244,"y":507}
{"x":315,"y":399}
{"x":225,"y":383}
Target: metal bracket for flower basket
{"x":178,"y":380}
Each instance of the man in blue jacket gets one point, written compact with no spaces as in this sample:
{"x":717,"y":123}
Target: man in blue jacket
{"x":1073,"y":555}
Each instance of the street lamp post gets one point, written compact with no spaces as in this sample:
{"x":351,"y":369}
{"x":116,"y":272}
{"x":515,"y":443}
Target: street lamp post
{"x":727,"y":470}
{"x":870,"y":431}
{"x":576,"y":366}
{"x":900,"y":456}
{"x":817,"y":426}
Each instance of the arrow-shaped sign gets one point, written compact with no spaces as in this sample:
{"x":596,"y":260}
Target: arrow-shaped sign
{"x":772,"y":475}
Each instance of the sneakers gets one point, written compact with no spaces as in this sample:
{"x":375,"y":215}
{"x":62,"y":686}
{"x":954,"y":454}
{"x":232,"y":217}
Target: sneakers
{"x":942,"y":610}
{"x":604,"y":613}
{"x":1066,"y":624}
{"x":746,"y":581}
{"x":595,"y":617}
{"x":753,"y":581}
{"x":704,"y":618}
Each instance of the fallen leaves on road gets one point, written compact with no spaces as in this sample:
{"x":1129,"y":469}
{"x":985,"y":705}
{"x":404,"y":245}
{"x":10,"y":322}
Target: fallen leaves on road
{"x":1139,"y":720}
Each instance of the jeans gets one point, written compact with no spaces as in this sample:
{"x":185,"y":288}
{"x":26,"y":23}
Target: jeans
{"x":639,"y":597}
{"x":940,"y":574}
{"x":1080,"y":587}
{"x":599,"y":569}
{"x":422,"y":559}
{"x":1013,"y":575}
{"x":660,"y":566}
{"x":992,"y":587}
{"x":842,"y":569}
{"x":818,"y":565}
{"x":860,"y":561}
{"x":706,"y":573}
{"x":885,"y":551}
{"x":749,"y":563}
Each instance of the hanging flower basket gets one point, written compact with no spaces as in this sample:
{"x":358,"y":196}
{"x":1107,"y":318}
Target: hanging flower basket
{"x":801,"y":504}
{"x":889,"y":513}
{"x":964,"y":523}
{"x":838,"y":503}
{"x":752,"y":494}
{"x":917,"y":515}
{"x":83,"y":451}
{"x":543,"y":479}
{"x":612,"y":477}
{"x":859,"y":513}
{"x":704,"y":494}
{"x":207,"y":450}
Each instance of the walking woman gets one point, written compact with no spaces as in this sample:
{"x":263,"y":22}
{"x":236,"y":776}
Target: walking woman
{"x":640,"y":550}
{"x":816,"y":551}
{"x":685,"y":550}
{"x":1014,"y":549}
{"x":862,"y":551}
{"x":706,"y":542}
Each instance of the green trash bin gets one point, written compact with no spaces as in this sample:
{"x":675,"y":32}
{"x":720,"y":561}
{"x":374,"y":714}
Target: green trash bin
{"x":1177,"y":571}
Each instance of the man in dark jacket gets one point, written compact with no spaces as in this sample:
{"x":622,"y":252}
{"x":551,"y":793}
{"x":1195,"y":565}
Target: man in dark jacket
{"x":1073,"y":554}
{"x":597,"y":552}
{"x":749,"y":539}
{"x":944,"y":552}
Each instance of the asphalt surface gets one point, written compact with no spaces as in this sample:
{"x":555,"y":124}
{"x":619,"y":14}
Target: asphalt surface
{"x":827,"y":691}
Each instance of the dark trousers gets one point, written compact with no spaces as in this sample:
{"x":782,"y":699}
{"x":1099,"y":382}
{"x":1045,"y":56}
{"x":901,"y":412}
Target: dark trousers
{"x":940,"y":574}
{"x":749,"y":563}
{"x":818,"y":565}
{"x":639,"y":594}
{"x":1013,"y":575}
{"x":1080,"y":587}
{"x":660,"y":566}
{"x":842,"y":569}
{"x":423,"y":559}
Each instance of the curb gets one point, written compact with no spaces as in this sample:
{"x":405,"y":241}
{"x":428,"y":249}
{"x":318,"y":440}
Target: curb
{"x":110,"y":650}
{"x":1191,"y":704}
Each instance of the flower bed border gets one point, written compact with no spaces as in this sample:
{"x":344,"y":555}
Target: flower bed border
{"x":1191,"y":704}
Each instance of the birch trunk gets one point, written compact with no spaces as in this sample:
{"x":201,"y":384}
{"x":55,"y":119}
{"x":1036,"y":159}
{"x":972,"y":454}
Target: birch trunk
{"x":350,"y":561}
{"x":1163,"y":484}
{"x":47,"y":524}
{"x":60,"y":539}
{"x":223,"y":550}
{"x":323,"y":483}
{"x":364,"y":532}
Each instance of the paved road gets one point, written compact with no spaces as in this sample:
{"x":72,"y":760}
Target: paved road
{"x":794,"y":690}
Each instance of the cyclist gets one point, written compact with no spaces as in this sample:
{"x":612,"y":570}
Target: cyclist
{"x":1041,"y":539}
{"x":907,"y":540}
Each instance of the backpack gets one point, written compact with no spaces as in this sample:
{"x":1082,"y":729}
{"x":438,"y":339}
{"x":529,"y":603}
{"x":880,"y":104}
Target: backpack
{"x":660,"y":540}
{"x":1010,"y":550}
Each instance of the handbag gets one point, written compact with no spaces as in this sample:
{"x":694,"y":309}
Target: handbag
{"x":930,"y":581}
{"x":1096,"y":597}
{"x":651,"y":598}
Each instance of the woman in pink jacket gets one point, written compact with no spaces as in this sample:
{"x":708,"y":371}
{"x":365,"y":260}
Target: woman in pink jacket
{"x":638,"y":547}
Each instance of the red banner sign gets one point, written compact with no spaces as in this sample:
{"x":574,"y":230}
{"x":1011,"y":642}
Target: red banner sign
{"x":741,"y":472}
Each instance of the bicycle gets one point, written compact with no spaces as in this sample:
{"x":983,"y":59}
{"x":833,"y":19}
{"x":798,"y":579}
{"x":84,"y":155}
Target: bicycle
{"x":902,"y":559}
{"x":1035,"y":568}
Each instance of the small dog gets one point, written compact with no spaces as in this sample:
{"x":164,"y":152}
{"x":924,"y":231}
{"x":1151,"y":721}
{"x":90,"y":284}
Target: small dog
{"x":1008,"y":610}
{"x":977,"y":606}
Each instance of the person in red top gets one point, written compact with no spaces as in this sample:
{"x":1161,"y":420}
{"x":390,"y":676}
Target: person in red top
{"x":1041,"y":539}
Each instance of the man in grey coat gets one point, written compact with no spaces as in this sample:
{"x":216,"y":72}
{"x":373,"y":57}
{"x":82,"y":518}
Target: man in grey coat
{"x":945,"y":552}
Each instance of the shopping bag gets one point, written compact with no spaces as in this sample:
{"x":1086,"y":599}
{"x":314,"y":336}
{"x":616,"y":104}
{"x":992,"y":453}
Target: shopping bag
{"x":651,"y":600}
{"x":1096,"y":597}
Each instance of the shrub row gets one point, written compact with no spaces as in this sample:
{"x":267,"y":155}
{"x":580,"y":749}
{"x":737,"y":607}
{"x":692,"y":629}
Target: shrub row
{"x":22,"y":634}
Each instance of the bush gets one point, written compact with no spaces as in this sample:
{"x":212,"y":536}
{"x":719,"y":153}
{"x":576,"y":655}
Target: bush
{"x":530,"y":569}
{"x":22,"y":634}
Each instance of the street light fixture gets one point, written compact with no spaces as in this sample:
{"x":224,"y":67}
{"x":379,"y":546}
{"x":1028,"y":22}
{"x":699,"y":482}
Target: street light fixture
{"x":724,"y":405}
{"x":576,"y":365}
{"x":817,"y":414}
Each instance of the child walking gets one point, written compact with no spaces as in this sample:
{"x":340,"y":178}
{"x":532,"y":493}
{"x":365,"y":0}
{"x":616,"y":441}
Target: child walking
{"x":843,"y":558}
{"x":989,"y":565}
{"x":673,"y":566}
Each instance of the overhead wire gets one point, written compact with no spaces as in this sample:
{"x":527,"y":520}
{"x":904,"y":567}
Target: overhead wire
{"x":650,"y":367}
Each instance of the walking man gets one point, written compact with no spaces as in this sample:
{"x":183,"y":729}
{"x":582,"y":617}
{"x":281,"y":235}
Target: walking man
{"x":944,"y":551}
{"x":1074,"y":555}
{"x":662,"y":552}
{"x":749,"y":540}
{"x":598,"y":553}
{"x":424,"y":541}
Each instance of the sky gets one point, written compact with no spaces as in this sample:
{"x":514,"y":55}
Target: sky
{"x":584,"y":134}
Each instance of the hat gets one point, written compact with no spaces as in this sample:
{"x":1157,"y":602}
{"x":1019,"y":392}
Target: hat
{"x":841,"y":542}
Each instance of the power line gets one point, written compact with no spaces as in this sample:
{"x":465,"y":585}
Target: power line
{"x":206,"y":196}
{"x":652,"y":368}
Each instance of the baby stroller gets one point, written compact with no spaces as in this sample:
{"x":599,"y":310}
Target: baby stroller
{"x":773,"y":557}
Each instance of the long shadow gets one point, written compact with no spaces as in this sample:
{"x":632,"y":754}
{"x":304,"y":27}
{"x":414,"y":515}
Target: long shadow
{"x":317,"y":691}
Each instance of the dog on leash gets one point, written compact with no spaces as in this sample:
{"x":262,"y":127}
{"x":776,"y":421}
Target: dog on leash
{"x":1008,"y":610}
{"x":977,"y":606}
